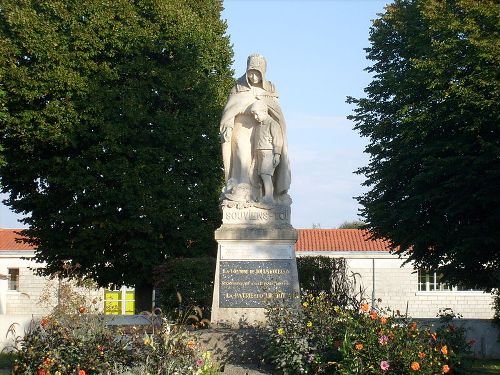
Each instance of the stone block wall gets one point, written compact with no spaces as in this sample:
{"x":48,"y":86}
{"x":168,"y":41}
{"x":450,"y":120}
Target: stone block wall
{"x":38,"y":295}
{"x":397,"y":288}
{"x":27,"y":299}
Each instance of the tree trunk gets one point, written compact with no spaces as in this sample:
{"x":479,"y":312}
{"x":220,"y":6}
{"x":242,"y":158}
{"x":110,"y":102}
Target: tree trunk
{"x":143,"y":297}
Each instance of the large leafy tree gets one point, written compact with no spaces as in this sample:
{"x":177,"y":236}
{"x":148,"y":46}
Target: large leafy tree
{"x":110,"y":138}
{"x":432,"y":117}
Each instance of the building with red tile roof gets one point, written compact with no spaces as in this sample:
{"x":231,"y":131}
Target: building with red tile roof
{"x":309,"y":240}
{"x":381,"y":275}
{"x":11,"y":240}
{"x":338,"y":240}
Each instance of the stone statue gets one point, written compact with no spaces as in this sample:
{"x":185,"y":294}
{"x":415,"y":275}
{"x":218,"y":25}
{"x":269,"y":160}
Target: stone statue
{"x":240,"y":131}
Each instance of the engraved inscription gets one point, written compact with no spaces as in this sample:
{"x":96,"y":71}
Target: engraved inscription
{"x":254,"y":283}
{"x":254,"y":215}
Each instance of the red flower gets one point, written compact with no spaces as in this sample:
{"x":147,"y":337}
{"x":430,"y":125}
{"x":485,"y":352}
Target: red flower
{"x":446,"y":369}
{"x":82,"y":310}
{"x":365,"y":307}
{"x":383,"y":320}
{"x":44,"y":322}
{"x":444,"y":350}
{"x":373,"y":315}
{"x":359,"y":346}
{"x":41,"y":372}
{"x":81,"y":372}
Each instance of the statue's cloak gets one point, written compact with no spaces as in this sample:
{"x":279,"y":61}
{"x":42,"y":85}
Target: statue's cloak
{"x":241,"y":98}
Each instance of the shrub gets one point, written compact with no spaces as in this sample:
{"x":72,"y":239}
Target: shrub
{"x":321,"y":337}
{"x":191,"y":278}
{"x":75,"y":339}
{"x":320,"y":274}
{"x":83,"y":344}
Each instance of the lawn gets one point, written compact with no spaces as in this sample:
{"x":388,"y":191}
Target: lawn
{"x":486,"y":367}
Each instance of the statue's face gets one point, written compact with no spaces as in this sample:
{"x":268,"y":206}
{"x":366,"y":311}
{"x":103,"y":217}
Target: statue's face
{"x":259,"y":115}
{"x":254,"y":77}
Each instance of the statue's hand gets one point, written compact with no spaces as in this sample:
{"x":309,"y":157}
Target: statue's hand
{"x":276,"y":160}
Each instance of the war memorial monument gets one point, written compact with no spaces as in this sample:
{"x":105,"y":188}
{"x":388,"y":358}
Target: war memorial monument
{"x":255,"y":259}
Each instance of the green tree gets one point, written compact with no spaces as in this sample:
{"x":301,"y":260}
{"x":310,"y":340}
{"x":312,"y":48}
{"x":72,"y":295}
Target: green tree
{"x":354,"y":224}
{"x":110,"y":139}
{"x":432,"y":116}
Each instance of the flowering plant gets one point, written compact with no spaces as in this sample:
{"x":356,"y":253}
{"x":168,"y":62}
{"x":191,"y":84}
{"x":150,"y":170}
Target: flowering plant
{"x":320,"y":337}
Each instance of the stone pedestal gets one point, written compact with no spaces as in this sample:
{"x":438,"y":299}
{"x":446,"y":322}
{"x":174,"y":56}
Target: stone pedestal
{"x":255,"y":264}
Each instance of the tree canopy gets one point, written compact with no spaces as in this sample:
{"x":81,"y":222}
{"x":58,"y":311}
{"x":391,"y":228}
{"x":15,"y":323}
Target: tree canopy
{"x":352,"y":224}
{"x":431,"y":114}
{"x":110,"y":135}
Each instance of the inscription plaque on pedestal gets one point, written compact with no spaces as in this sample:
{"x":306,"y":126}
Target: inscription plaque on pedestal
{"x":250,"y":284}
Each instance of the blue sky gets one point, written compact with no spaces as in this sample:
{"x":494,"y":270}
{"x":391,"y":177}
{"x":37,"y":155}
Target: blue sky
{"x":315,"y":56}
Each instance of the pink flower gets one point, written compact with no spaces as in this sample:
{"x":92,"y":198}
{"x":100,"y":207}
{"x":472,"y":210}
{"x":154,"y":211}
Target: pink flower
{"x":383,"y":340}
{"x":384,"y":365}
{"x":199,"y":362}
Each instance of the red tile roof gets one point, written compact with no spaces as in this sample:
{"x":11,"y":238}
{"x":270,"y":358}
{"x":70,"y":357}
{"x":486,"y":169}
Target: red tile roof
{"x":309,"y":240}
{"x":338,"y":240}
{"x":8,"y":241}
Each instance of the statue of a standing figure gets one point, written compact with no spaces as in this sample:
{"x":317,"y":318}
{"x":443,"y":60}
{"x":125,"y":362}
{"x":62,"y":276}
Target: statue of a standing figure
{"x":239,"y":131}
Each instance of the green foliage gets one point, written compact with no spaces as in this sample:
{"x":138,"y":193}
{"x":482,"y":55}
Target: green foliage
{"x":496,"y":309}
{"x":184,"y":283}
{"x":76,"y":338}
{"x":355,"y":224}
{"x":111,"y":130}
{"x":431,"y":114}
{"x":454,"y":334}
{"x":67,"y":344}
{"x":323,"y":338}
{"x":6,"y":360}
{"x":320,"y":274}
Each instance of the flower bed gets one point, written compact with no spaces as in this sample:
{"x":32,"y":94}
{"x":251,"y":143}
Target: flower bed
{"x":324,"y":338}
{"x":83,"y":344}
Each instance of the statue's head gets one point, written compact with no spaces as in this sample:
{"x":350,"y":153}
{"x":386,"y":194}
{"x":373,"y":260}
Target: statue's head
{"x":256,"y":68}
{"x":259,"y":110}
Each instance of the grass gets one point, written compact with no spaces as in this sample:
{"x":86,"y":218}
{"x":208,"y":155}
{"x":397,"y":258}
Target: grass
{"x":486,"y":366}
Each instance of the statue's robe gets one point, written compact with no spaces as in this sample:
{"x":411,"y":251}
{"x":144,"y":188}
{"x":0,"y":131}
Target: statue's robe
{"x":239,"y":156}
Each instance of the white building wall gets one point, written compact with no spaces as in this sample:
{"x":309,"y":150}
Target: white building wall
{"x":382,"y":276}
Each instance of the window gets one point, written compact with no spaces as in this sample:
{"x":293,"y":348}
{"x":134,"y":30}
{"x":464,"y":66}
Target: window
{"x":119,"y":301}
{"x":433,"y":282}
{"x":13,"y":278}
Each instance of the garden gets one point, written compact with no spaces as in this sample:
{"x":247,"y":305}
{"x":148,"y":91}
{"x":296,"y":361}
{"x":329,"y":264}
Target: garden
{"x":332,"y":331}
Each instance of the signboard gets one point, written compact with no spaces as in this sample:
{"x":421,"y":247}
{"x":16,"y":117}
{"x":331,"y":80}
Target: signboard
{"x":254,"y":283}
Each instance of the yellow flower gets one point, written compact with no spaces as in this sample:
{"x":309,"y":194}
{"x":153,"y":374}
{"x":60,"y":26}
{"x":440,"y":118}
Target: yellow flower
{"x":281,"y":331}
{"x":309,"y":324}
{"x":305,"y":304}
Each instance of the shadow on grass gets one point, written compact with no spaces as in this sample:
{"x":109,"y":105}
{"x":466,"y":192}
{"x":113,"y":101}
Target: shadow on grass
{"x":486,"y":366}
